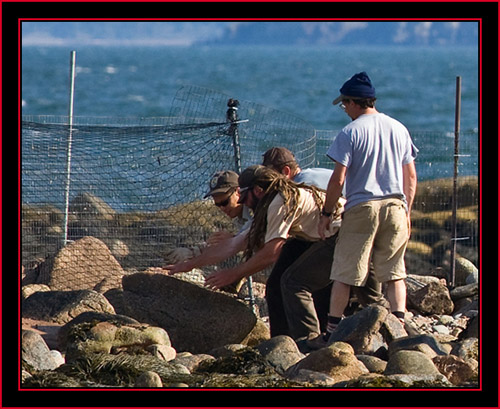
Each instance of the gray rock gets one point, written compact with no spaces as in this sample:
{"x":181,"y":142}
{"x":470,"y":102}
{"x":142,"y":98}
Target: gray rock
{"x":456,"y":370}
{"x":441,"y":329}
{"x":197,"y":319}
{"x":467,"y":348}
{"x":165,"y":352}
{"x":281,"y":352}
{"x":369,"y":330}
{"x":424,"y":343}
{"x":436,"y":380}
{"x":337,"y":361}
{"x":372,"y":363}
{"x":465,"y":271}
{"x":63,"y":306}
{"x":84,"y":264}
{"x":30,"y":289}
{"x":105,"y":337}
{"x":464,"y":291}
{"x":191,"y":361}
{"x":434,"y":298}
{"x":92,"y":316}
{"x":35,"y":352}
{"x":396,"y":381}
{"x":312,"y":377}
{"x":472,"y":330}
{"x":148,"y":379}
{"x":410,"y":362}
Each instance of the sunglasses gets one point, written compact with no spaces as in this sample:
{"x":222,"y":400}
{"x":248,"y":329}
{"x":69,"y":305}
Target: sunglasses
{"x":224,"y":202}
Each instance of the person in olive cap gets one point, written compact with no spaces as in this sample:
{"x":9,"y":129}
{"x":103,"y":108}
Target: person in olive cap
{"x":374,"y":156}
{"x":284,"y":209}
{"x":224,"y":190}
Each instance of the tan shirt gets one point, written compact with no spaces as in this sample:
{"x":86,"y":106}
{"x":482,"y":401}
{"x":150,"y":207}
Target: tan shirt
{"x":302,"y":224}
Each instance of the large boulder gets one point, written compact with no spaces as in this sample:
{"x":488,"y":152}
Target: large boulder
{"x":89,"y":215}
{"x":457,"y":370}
{"x":281,"y":352}
{"x":424,"y":343}
{"x":86,"y":264}
{"x":63,"y":306}
{"x":369,"y":331}
{"x":110,"y":338}
{"x":197,"y":319}
{"x":434,"y":298}
{"x":91,"y":317}
{"x":337,"y":361}
{"x":35,"y":354}
{"x":411,"y":363}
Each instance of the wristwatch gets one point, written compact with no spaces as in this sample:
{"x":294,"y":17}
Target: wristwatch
{"x":325,"y":213}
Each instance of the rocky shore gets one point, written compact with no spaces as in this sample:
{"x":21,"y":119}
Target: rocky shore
{"x":100,"y":313}
{"x":146,"y":329}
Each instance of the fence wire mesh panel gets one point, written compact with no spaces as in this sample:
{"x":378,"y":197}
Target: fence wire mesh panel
{"x":139,"y":189}
{"x":137,"y":184}
{"x":258,"y":127}
{"x":431,"y":238}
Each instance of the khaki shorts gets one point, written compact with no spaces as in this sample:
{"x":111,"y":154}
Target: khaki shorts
{"x":378,"y":231}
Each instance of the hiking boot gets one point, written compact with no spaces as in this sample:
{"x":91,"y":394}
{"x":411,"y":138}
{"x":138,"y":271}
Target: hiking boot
{"x":317,"y":342}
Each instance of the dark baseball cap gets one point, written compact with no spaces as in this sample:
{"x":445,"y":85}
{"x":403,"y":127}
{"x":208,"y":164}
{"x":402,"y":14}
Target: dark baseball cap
{"x":222,"y":182}
{"x":359,"y":86}
{"x":278,"y":156}
{"x":247,"y":180}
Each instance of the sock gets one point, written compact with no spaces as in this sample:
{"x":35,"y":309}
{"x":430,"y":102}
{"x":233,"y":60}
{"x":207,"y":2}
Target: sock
{"x":400,"y":315}
{"x":331,"y":326}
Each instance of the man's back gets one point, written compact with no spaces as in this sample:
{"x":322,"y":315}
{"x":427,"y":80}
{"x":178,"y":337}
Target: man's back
{"x":374,"y":148}
{"x":318,"y":177}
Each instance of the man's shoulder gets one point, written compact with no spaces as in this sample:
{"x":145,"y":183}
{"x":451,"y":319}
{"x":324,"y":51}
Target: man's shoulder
{"x":318,"y":177}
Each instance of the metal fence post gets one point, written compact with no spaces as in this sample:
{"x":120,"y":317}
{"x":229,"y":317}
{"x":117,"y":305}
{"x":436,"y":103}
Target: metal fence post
{"x":454,"y":200}
{"x":70,"y":141}
{"x":232,"y":118}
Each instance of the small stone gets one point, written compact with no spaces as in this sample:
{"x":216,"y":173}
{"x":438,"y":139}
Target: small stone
{"x":149,"y":379}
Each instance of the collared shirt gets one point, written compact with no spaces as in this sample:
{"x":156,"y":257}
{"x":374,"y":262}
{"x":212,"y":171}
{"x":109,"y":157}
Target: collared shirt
{"x":302,"y":224}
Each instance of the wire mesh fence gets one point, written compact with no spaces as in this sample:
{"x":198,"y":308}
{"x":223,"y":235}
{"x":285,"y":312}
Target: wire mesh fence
{"x":137,"y":184}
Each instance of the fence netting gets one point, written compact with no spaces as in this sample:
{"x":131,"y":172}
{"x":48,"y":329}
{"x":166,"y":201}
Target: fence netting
{"x":138,"y":184}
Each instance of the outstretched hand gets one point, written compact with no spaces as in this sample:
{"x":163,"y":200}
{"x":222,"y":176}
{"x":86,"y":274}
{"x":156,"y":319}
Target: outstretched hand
{"x":172,"y":269}
{"x":221,"y":279}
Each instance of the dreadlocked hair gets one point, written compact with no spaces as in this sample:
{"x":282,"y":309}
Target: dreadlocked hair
{"x":274,"y":183}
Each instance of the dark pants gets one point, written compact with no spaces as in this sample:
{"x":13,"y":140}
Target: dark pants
{"x":299,"y":286}
{"x":302,"y":269}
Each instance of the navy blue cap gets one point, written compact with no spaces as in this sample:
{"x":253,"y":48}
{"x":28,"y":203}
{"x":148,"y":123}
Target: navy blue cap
{"x":358,"y":86}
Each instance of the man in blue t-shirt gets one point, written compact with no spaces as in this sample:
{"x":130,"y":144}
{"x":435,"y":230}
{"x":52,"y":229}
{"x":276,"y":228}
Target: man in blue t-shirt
{"x":374,"y":158}
{"x":283,"y":161}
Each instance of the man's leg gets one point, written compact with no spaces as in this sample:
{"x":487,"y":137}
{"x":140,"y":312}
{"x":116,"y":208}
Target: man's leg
{"x":396,"y":293}
{"x":277,"y":318}
{"x":321,"y":300}
{"x":339,"y":299}
{"x":371,"y":292}
{"x":310,"y":273}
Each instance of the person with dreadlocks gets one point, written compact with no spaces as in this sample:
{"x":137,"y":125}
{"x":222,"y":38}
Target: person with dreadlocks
{"x":284,"y":209}
{"x":283,"y":161}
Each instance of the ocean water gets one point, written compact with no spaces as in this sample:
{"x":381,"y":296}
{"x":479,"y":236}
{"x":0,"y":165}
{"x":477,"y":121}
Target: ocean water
{"x":414,"y":85}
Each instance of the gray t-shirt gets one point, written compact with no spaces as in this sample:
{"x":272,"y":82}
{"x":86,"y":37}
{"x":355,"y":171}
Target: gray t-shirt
{"x":318,"y":177}
{"x":374,"y":148}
